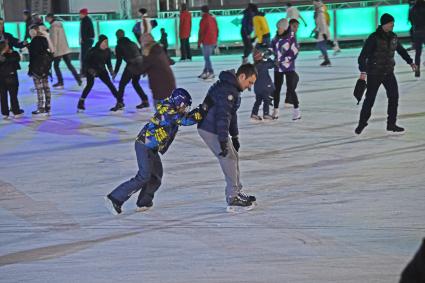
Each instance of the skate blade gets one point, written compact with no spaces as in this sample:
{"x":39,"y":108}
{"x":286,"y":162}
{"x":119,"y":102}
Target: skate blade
{"x":296,"y":119}
{"x":238,"y":209}
{"x":109,"y":206}
{"x":391,"y":133}
{"x":143,"y":208}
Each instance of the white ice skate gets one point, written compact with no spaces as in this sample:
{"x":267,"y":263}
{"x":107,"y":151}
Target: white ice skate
{"x":296,"y":114}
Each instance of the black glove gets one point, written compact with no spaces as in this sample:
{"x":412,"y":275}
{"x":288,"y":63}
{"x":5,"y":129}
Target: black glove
{"x":224,"y":150}
{"x":236,"y":144}
{"x":325,"y":37}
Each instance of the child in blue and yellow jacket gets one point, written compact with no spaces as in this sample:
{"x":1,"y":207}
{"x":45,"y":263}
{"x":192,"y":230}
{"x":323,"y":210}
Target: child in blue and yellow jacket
{"x":155,"y":137}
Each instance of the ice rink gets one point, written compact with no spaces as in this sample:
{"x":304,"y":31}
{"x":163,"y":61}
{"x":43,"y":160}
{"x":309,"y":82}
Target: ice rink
{"x":332,"y":207}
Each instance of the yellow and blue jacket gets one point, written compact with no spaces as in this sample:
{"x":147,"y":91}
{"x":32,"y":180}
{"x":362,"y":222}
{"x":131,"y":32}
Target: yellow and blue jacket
{"x":160,"y":131}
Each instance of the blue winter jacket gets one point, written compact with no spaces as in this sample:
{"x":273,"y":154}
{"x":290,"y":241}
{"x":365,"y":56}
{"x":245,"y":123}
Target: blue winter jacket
{"x":222,"y":119}
{"x":264,"y":83}
{"x":247,"y":25}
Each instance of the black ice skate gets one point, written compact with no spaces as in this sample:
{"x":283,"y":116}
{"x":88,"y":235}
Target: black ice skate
{"x":360,"y":128}
{"x":395,"y":129}
{"x":80,"y":106}
{"x":245,"y":196}
{"x":143,"y":105}
{"x":238,"y":204}
{"x":118,"y":107}
{"x":112,"y":205}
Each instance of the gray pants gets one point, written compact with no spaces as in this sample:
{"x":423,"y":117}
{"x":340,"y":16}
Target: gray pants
{"x":229,"y":164}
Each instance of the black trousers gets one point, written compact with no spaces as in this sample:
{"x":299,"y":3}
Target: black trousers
{"x":247,"y":45}
{"x":68,"y":63}
{"x":104,"y":77}
{"x":85,"y":47}
{"x":9,"y":86}
{"x":419,"y":40}
{"x":126,"y":77}
{"x":292,"y":79}
{"x":373,"y":83}
{"x":185,"y":49}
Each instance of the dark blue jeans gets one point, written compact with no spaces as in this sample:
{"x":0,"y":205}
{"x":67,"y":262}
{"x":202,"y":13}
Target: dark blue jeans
{"x":419,"y":40}
{"x":148,"y":178}
{"x":262,"y":97}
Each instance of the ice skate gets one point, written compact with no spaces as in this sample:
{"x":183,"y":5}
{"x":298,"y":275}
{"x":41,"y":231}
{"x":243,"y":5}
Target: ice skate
{"x":143,"y":105}
{"x":394,"y":129}
{"x":58,"y":86}
{"x":238,"y":204}
{"x":112,"y":205}
{"x":267,"y":118}
{"x":275,"y":114}
{"x":144,"y":207}
{"x":80,"y":107}
{"x":296,"y":114}
{"x":256,"y":118}
{"x":118,"y":107}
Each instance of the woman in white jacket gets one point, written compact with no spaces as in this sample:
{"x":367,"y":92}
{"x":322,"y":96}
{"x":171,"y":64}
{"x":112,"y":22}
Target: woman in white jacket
{"x":61,"y":50}
{"x":322,"y":30}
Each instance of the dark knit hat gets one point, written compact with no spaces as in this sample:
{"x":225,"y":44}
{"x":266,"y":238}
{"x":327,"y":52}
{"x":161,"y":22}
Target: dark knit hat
{"x":386,"y":18}
{"x":101,"y":38}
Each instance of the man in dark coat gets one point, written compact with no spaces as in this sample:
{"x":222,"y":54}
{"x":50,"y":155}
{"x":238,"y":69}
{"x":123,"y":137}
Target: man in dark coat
{"x":222,"y":121}
{"x":128,"y":51}
{"x":86,"y":38}
{"x":417,"y":18}
{"x":12,"y":41}
{"x":376,"y":60}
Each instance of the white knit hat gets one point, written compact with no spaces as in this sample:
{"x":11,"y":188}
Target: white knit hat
{"x":283,"y":23}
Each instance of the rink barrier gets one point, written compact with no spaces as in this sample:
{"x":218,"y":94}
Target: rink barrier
{"x":346,"y":24}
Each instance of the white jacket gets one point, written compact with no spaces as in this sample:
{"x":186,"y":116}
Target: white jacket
{"x":58,"y":39}
{"x":321,"y":26}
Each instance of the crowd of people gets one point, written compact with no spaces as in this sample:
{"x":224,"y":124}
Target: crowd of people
{"x":217,"y":115}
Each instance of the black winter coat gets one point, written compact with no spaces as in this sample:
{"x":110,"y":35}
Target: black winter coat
{"x":40,"y":57}
{"x":128,"y":51}
{"x":97,"y":59}
{"x":9,"y":63}
{"x":86,"y":29}
{"x":417,"y":17}
{"x":377,"y":55}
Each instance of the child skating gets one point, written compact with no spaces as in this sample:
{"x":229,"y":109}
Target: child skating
{"x":155,"y":137}
{"x":263,"y":87}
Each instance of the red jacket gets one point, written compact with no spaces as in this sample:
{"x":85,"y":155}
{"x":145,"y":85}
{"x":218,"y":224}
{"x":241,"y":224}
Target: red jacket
{"x":208,"y":30}
{"x":185,"y":24}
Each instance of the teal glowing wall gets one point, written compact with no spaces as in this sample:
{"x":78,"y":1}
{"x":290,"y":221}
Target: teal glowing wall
{"x":351,"y":23}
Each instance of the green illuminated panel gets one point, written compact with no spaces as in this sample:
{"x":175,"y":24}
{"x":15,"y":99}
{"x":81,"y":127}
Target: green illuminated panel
{"x":170,"y":28}
{"x":195,"y":30}
{"x":11,"y":28}
{"x":109,"y":28}
{"x":355,"y":21}
{"x":400,"y":13}
{"x":72,"y":32}
{"x":22,"y":30}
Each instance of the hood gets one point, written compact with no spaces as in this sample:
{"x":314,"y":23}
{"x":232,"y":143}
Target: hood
{"x":229,"y":77}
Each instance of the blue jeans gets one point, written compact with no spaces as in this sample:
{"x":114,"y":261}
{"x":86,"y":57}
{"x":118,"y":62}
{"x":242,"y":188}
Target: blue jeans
{"x":262,"y":97}
{"x":322,"y":45}
{"x":148,"y":178}
{"x":207,"y":51}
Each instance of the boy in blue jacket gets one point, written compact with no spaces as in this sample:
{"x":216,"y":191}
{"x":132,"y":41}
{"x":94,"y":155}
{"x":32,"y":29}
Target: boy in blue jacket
{"x":155,"y":137}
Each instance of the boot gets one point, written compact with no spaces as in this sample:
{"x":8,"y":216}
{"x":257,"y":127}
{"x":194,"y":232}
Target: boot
{"x":296,"y":114}
{"x":418,"y":72}
{"x":275,"y":114}
{"x":80,"y":106}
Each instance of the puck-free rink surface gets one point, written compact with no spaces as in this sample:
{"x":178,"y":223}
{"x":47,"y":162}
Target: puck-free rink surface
{"x":332,"y":207}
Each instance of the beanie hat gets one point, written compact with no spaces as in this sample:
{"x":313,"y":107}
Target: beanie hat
{"x":84,"y":11}
{"x":386,"y":18}
{"x":101,"y":38}
{"x":282,"y":23}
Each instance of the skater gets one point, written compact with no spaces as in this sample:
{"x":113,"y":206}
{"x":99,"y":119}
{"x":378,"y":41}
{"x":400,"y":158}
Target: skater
{"x":40,"y":62}
{"x":12,"y":41}
{"x":86,"y":39}
{"x":164,"y":40}
{"x":292,"y":12}
{"x":222,"y":121}
{"x":95,"y":61}
{"x":184,"y":33}
{"x":208,"y":34}
{"x":156,"y":66}
{"x":376,"y":61}
{"x":418,"y":23}
{"x":144,"y":26}
{"x":261,"y":29}
{"x":246,"y":31}
{"x":322,"y":31}
{"x":155,"y":137}
{"x":263,"y":87}
{"x":9,"y":83}
{"x":129,"y":51}
{"x":286,"y":48}
{"x":62,"y":51}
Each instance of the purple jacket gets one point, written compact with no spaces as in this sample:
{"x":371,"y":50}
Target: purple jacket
{"x":286,"y":49}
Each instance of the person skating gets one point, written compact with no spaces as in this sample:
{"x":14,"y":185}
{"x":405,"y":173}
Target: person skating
{"x":247,"y":27}
{"x":376,"y":61}
{"x":156,"y":66}
{"x":185,"y":28}
{"x":207,"y":38}
{"x":155,"y":138}
{"x":418,"y":22}
{"x":9,"y":83}
{"x":286,"y":48}
{"x":322,"y":31}
{"x":263,"y":86}
{"x":128,"y":51}
{"x":40,"y":62}
{"x":292,"y":12}
{"x":97,"y":58}
{"x":62,"y":51}
{"x":9,"y":38}
{"x":222,"y":121}
{"x":86,"y":38}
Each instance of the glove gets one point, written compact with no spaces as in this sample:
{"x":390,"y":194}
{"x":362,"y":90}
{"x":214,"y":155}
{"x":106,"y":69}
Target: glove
{"x":325,"y":37}
{"x":236,"y":144}
{"x":114,"y":75}
{"x":224,"y":150}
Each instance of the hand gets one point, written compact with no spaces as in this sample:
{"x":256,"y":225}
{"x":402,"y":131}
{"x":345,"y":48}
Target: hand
{"x":236,"y":144}
{"x":363,"y":76}
{"x":414,"y":67}
{"x":224,"y":150}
